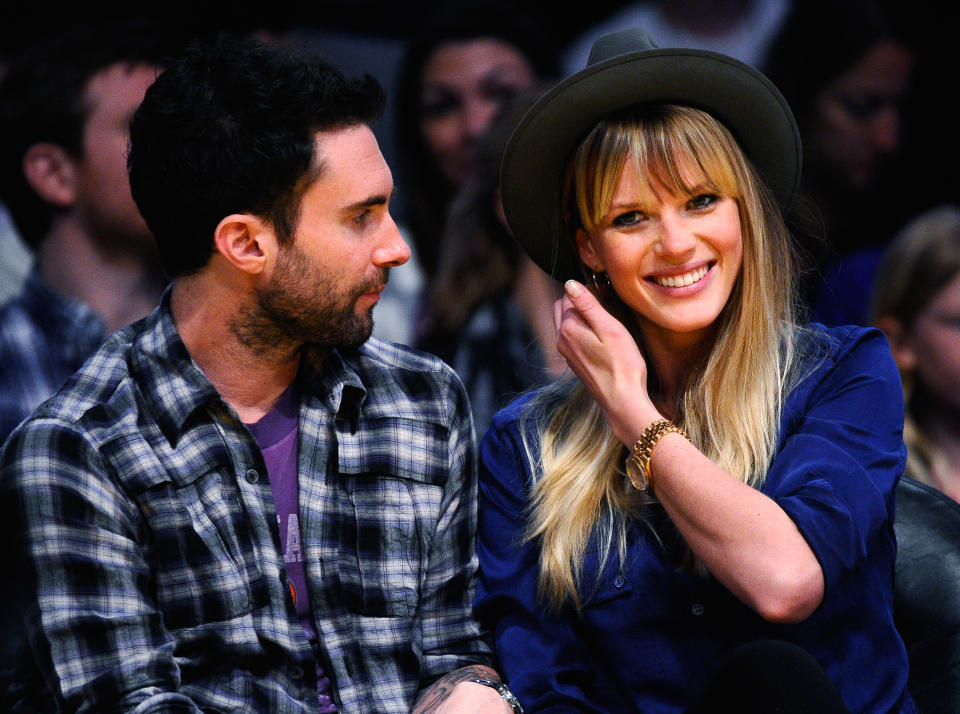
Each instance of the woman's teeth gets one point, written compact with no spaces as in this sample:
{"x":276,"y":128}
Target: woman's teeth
{"x":681,"y":281}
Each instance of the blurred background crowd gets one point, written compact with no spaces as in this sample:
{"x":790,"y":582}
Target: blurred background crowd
{"x":877,"y":218}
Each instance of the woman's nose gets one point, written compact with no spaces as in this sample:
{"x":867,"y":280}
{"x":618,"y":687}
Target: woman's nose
{"x":675,"y":238}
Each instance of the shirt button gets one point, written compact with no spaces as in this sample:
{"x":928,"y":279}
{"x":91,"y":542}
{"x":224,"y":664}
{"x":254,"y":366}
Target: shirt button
{"x":296,"y":672}
{"x":252,"y":476}
{"x":697,"y":609}
{"x":619,"y":581}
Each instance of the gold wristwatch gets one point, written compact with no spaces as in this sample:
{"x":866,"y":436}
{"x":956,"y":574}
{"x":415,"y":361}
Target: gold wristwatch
{"x":638,"y":462}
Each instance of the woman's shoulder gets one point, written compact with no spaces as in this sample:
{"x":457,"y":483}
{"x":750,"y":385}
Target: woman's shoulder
{"x":515,"y":429}
{"x":829,"y":357}
{"x":831,"y":344}
{"x":512,"y":423}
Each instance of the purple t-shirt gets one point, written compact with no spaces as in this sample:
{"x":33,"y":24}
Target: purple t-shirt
{"x":276,"y":434}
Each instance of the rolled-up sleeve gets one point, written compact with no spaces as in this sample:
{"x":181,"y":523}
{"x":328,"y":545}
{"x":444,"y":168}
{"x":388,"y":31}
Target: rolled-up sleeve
{"x":842,"y":453}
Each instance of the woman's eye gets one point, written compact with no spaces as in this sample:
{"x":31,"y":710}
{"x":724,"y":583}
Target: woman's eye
{"x":947,"y":320}
{"x":704,"y":200}
{"x":625,"y":220}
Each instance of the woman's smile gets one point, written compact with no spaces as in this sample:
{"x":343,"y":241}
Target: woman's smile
{"x":682,"y":280}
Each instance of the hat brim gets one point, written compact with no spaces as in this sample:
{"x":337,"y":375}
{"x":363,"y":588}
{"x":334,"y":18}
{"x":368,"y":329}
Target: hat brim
{"x":735,"y":93}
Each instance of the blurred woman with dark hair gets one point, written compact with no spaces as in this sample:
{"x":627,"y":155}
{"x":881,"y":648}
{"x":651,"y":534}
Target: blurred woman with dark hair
{"x":487,"y":311}
{"x":457,"y":73}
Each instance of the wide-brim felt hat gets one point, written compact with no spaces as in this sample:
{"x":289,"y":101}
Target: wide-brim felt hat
{"x":625,"y":69}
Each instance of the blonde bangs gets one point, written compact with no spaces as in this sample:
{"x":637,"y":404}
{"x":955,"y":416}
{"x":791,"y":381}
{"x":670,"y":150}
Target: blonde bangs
{"x":672,"y":148}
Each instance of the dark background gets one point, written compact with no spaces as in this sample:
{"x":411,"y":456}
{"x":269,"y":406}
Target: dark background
{"x":370,"y":36}
{"x":20,"y":20}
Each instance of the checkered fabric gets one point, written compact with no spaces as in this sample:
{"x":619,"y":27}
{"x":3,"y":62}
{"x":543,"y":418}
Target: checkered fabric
{"x":151,"y":571}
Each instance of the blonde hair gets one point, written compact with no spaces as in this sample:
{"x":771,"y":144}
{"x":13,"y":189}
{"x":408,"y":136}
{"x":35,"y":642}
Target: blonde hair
{"x":731,"y":402}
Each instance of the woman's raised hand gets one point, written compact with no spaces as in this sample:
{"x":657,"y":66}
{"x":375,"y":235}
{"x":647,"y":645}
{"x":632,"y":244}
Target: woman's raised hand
{"x":603,"y":354}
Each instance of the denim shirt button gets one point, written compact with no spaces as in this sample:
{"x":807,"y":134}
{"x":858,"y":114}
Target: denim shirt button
{"x":252,"y":476}
{"x":697,"y":609}
{"x":619,"y":581}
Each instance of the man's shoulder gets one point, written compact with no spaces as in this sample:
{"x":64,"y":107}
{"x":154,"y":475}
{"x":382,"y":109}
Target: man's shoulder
{"x":393,"y":356}
{"x":406,"y":382}
{"x":17,"y":325}
{"x":39,"y":320}
{"x":102,"y":382}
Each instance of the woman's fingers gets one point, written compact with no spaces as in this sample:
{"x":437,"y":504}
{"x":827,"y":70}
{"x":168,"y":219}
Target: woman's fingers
{"x":584,"y":302}
{"x":591,"y":313}
{"x":605,"y":357}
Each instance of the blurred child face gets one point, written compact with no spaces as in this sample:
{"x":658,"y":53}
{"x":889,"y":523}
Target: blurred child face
{"x":857,"y":119}
{"x":935,"y":342}
{"x":464,"y":84}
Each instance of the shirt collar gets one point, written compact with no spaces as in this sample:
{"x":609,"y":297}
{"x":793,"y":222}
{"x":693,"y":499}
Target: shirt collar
{"x":329,"y":379}
{"x":174,"y":386}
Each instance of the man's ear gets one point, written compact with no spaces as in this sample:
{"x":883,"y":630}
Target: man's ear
{"x":588,"y":254}
{"x":901,"y":345}
{"x":245,"y":241}
{"x":51,"y":172}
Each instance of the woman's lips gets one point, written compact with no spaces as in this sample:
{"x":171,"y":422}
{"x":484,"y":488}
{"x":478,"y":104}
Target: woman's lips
{"x":681,"y":280}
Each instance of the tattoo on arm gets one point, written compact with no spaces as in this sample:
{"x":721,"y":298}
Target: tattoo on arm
{"x":438,"y":692}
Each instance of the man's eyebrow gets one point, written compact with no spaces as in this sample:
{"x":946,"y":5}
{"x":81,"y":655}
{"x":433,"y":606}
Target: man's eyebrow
{"x":377,"y":200}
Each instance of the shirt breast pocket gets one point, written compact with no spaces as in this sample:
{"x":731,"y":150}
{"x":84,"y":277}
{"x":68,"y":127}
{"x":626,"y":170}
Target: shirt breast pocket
{"x":201,"y":553}
{"x":383,"y":564}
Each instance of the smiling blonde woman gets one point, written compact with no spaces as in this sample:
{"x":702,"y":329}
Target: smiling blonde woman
{"x":699,"y":518}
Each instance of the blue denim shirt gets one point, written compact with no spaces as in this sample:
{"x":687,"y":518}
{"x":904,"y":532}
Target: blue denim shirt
{"x":650,"y":633}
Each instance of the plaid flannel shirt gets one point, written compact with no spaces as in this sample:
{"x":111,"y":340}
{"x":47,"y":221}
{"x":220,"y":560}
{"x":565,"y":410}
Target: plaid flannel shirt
{"x":44,"y":338}
{"x":152,"y":575}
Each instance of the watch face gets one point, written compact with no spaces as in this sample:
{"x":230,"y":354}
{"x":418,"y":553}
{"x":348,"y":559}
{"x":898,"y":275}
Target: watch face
{"x":635,"y":474}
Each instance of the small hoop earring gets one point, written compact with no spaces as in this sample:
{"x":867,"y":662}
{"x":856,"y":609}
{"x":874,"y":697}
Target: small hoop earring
{"x":601,"y":282}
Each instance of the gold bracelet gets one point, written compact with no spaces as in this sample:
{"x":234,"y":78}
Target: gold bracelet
{"x":638,"y":462}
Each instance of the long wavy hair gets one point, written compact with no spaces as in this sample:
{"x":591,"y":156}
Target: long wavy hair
{"x":731,"y":400}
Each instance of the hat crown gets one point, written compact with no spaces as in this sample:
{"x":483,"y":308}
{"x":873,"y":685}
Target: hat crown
{"x":633,"y":39}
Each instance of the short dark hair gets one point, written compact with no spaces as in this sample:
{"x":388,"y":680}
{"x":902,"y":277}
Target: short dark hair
{"x":230,"y":128}
{"x":43,"y":99}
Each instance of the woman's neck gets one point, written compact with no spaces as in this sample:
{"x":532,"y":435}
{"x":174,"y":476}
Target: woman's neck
{"x":670,"y":358}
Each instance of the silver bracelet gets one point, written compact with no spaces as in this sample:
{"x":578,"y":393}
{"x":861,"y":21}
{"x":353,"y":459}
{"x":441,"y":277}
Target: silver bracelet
{"x":504,"y":692}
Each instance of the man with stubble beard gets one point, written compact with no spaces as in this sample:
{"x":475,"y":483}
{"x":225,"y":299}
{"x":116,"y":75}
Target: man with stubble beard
{"x":242,"y":503}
